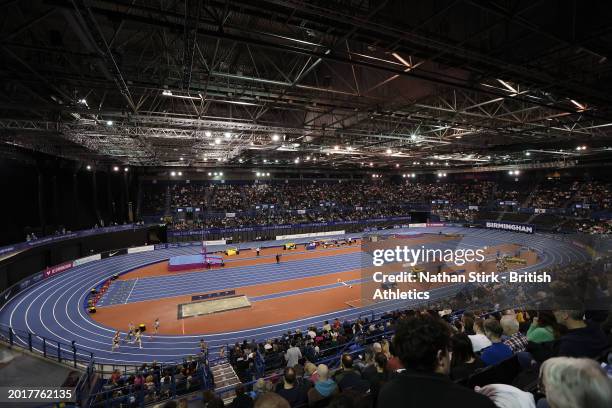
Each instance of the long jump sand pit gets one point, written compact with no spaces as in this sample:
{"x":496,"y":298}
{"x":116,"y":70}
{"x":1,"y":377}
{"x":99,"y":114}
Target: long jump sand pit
{"x":206,"y":307}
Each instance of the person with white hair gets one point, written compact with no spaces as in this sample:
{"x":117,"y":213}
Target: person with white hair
{"x":513,"y":337}
{"x":324,"y":388}
{"x":574,"y":383}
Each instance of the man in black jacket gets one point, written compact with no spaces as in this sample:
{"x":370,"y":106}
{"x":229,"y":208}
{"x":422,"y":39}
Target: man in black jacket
{"x":290,"y":390}
{"x":582,"y":339}
{"x":422,"y":344}
{"x":347,"y":377}
{"x":242,"y":400}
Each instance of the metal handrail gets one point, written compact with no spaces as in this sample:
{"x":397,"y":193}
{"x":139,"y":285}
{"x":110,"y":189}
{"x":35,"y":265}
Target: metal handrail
{"x":50,"y":349}
{"x":159,"y":391}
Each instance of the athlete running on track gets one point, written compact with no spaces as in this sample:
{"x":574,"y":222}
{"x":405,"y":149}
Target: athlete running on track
{"x":138,"y":339}
{"x":130,"y":332}
{"x":116,"y":339}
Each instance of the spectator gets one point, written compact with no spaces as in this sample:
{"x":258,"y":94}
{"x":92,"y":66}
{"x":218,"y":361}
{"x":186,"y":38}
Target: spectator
{"x":368,"y":368}
{"x":349,"y":378}
{"x":575,"y":383}
{"x":479,"y":340}
{"x":542,"y":328}
{"x":464,"y":361}
{"x":260,"y":387}
{"x":293,"y":355}
{"x":310,"y":371}
{"x":467,"y":321}
{"x":381,"y":376}
{"x":497,"y":351}
{"x":290,"y":390}
{"x":210,"y":400}
{"x":324,"y":388}
{"x":385,"y":348}
{"x":393,"y":362}
{"x":514,"y":338}
{"x":581,"y":339}
{"x":242,"y":399}
{"x":271,"y":400}
{"x":423,"y":345}
{"x":342,"y":401}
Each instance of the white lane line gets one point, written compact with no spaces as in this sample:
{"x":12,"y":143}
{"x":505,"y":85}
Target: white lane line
{"x":131,"y":290}
{"x":100,"y":327}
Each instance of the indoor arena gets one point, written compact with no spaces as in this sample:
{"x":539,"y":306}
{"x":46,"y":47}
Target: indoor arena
{"x":295,"y":204}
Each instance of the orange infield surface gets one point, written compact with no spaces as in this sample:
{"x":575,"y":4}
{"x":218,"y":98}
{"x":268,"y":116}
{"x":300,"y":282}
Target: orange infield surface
{"x":261,"y":313}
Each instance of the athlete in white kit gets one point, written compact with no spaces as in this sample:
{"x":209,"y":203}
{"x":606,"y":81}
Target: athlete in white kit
{"x":156,"y":326}
{"x":138,"y":338}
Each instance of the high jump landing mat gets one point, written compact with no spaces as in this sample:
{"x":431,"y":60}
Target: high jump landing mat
{"x":212,"y":306}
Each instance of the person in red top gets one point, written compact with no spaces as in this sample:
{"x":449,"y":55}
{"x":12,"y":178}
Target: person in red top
{"x":394,"y":364}
{"x":337,"y":324}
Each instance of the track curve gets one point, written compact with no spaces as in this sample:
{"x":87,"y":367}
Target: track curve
{"x":53,"y":308}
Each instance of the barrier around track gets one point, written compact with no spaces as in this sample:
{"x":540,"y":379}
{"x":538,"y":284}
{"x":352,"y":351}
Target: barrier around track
{"x":50,"y":349}
{"x":67,"y":354}
{"x":109,"y":395}
{"x":107,"y":368}
{"x":55,"y":351}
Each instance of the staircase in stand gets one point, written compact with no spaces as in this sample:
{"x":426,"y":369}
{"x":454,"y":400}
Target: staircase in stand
{"x":225,"y":376}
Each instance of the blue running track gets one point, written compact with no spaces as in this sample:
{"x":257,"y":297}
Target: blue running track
{"x":53,"y":308}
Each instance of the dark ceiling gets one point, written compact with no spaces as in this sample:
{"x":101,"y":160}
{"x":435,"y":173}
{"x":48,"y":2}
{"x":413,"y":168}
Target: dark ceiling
{"x":344,"y":84}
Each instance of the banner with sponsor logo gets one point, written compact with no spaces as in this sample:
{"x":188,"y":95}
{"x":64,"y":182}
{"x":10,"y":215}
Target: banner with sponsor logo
{"x":86,"y":259}
{"x":418,"y":225}
{"x":230,"y":215}
{"x":539,"y":210}
{"x":145,"y":248}
{"x":473,"y":207}
{"x":216,"y":242}
{"x":310,"y":235}
{"x":117,"y":252}
{"x":57,"y":269}
{"x":20,"y":286}
{"x":435,"y":224}
{"x":508,"y":226}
